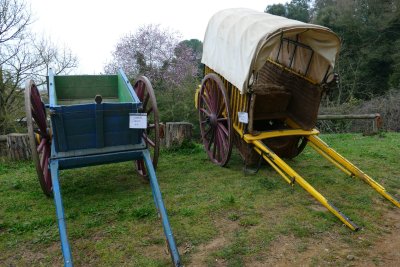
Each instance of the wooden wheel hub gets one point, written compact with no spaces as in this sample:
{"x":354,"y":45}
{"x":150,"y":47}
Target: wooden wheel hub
{"x":213,"y":120}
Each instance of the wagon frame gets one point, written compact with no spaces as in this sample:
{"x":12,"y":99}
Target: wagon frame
{"x":264,"y":79}
{"x":91,"y":124}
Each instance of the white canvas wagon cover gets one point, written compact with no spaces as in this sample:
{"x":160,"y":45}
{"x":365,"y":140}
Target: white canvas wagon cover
{"x":238,"y":42}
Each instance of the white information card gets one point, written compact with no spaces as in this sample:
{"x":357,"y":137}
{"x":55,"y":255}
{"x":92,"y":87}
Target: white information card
{"x":138,"y":120}
{"x":243,"y":117}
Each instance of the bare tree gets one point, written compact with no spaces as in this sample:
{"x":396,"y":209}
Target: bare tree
{"x":14,"y":19}
{"x":23,"y":56}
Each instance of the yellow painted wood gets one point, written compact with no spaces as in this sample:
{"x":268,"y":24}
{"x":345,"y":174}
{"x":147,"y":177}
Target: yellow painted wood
{"x":196,"y":96}
{"x":303,"y":183}
{"x":270,"y":134}
{"x":276,"y":168}
{"x":352,"y":168}
{"x":322,"y":153}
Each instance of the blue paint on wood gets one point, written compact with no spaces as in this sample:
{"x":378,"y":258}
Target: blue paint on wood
{"x":94,"y":125}
{"x":51,"y":89}
{"x":99,"y":126}
{"x":161,"y":208}
{"x":89,"y":134}
{"x":60,"y":214}
{"x":128,"y":85}
{"x":98,"y":159}
{"x":60,"y":131}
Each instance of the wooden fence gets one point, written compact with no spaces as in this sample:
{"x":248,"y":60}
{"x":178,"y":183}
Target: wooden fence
{"x":375,"y":117}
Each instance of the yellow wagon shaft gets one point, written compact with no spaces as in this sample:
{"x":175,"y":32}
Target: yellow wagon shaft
{"x":264,"y":80}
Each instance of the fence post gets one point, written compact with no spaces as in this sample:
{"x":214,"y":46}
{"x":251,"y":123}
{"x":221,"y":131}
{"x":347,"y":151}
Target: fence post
{"x":176,"y":132}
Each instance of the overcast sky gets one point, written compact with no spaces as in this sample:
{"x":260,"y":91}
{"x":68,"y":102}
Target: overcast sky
{"x":92,"y":28}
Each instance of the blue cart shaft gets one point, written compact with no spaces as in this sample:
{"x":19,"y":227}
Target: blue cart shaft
{"x":161,"y":209}
{"x":105,"y":158}
{"x":60,"y":214}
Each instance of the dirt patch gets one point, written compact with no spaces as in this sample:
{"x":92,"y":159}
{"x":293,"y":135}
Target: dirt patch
{"x":329,"y":249}
{"x":386,"y":250}
{"x":35,"y":255}
{"x":201,"y":253}
{"x":204,"y":250}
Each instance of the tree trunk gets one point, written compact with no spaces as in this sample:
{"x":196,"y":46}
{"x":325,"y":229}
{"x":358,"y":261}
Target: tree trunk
{"x":18,"y":146}
{"x":176,"y":133}
{"x":3,"y":145}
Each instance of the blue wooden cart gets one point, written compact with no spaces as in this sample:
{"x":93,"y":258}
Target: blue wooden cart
{"x":95,"y":119}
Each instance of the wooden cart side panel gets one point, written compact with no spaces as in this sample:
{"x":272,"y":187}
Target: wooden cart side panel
{"x":93,"y":126}
{"x":85,"y":87}
{"x":125,"y":89}
{"x":305,"y":97}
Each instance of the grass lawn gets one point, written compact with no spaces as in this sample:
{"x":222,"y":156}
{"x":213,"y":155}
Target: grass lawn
{"x":219,"y":216}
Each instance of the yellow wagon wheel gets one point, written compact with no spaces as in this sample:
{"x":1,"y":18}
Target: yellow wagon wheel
{"x":144,"y":91}
{"x":39,"y":136}
{"x":215,"y":119}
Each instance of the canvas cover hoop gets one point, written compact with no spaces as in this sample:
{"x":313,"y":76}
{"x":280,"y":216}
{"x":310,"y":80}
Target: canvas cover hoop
{"x":239,"y":41}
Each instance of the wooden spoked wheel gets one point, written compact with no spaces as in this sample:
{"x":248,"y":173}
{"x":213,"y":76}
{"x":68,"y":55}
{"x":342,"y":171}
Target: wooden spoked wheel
{"x":215,"y":119}
{"x":39,"y":136}
{"x":144,"y":91}
{"x":287,"y":146}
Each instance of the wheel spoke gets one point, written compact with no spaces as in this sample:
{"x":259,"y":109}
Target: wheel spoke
{"x":41,"y":145}
{"x":221,"y":109}
{"x":212,"y":137}
{"x":205,"y":111}
{"x":219,"y":154}
{"x":208,"y":131}
{"x":224,"y":144}
{"x":216,"y":97}
{"x":206,"y":101}
{"x":215,"y":147}
{"x":148,"y":140}
{"x":223,"y":128}
{"x":218,"y":143}
{"x":207,"y":88}
{"x":210,"y":99}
